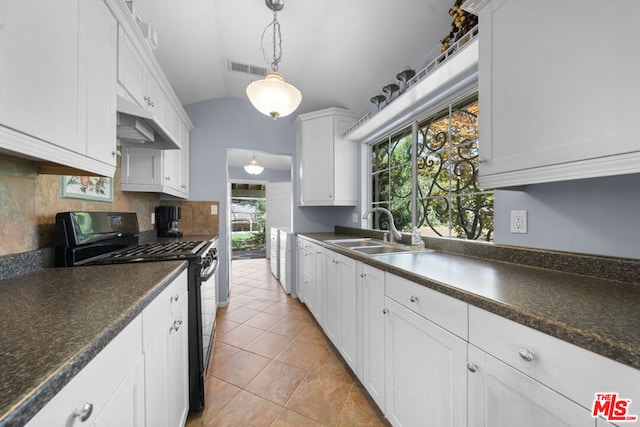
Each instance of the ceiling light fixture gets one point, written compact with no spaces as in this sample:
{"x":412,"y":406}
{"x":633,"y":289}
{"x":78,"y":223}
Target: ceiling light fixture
{"x":273,"y":96}
{"x":253,"y":168}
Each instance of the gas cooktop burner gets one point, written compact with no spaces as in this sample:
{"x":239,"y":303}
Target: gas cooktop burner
{"x":161,"y":249}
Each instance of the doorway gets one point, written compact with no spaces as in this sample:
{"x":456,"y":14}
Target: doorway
{"x":248,"y":221}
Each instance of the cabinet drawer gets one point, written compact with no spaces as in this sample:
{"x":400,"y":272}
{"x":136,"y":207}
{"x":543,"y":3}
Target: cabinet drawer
{"x":96,"y":382}
{"x":570,"y":370}
{"x":441,"y":309}
{"x":155,"y":315}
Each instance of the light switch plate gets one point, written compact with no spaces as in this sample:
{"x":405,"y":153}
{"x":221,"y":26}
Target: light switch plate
{"x":214,"y":209}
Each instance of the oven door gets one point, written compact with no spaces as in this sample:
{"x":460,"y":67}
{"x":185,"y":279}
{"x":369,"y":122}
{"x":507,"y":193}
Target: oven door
{"x":209,"y":305}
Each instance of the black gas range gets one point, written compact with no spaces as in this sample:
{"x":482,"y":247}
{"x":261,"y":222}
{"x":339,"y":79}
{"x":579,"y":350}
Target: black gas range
{"x":99,"y":238}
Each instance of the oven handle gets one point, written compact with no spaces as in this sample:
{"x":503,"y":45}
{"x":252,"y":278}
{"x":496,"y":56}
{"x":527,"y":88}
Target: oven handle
{"x":206,"y":275}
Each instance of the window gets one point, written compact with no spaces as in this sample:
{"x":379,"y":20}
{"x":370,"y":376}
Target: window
{"x":435,"y":189}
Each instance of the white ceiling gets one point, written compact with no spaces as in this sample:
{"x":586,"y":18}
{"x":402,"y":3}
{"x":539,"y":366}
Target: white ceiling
{"x":339,"y":54}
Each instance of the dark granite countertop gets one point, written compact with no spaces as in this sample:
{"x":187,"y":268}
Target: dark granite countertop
{"x":55,"y":320}
{"x":594,"y":313}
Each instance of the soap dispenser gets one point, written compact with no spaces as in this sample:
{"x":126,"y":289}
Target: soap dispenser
{"x":416,"y":240}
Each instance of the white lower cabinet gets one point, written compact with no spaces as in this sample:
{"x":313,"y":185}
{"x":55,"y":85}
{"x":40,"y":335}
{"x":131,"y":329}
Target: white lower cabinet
{"x":501,"y":396}
{"x":110,"y":388}
{"x":371,"y":362}
{"x":339,"y":291}
{"x":139,"y":379}
{"x":166,"y":359}
{"x":426,"y":374}
{"x":428,"y":359}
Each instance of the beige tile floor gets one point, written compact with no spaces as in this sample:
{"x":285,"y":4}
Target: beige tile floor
{"x":273,"y":366}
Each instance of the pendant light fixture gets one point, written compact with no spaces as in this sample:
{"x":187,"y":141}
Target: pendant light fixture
{"x":273,"y":96}
{"x":253,"y":168}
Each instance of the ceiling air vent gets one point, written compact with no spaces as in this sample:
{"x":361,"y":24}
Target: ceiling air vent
{"x":245,"y":68}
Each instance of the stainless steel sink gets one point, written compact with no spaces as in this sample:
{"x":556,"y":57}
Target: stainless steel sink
{"x":356,"y":243}
{"x":382,"y":249}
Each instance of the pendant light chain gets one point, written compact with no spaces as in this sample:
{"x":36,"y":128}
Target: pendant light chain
{"x":276,"y":56}
{"x":273,"y":96}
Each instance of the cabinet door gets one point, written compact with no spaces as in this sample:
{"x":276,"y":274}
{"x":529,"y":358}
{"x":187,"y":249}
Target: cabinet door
{"x":426,"y":374}
{"x":184,"y":158}
{"x":548,"y":112}
{"x":345,"y":158}
{"x":501,"y":396}
{"x":171,"y":168}
{"x":300,"y":291}
{"x":126,"y":406}
{"x":373,"y":335}
{"x":39,"y":74}
{"x":141,"y":166}
{"x":347,"y":285}
{"x":178,"y":363}
{"x":132,"y":72}
{"x":317,"y":160}
{"x":101,"y":61}
{"x":157,"y":368}
{"x":331,"y":293}
{"x":309,"y":280}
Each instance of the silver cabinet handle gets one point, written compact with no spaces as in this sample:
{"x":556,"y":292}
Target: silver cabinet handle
{"x":84,"y":413}
{"x":472,"y":367}
{"x":413,"y":298}
{"x":176,"y":325}
{"x":526,"y":355}
{"x":385,"y":311}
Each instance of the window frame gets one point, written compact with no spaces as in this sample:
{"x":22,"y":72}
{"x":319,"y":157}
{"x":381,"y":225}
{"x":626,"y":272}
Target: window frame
{"x":414,"y":123}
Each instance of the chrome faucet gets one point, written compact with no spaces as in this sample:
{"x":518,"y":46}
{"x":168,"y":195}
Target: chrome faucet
{"x":394,"y":233}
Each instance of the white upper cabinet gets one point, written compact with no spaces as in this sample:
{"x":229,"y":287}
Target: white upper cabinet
{"x":558,"y":91}
{"x":327,"y":164}
{"x":145,"y":95}
{"x":57,"y":83}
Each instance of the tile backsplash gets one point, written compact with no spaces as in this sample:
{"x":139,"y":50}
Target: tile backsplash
{"x":29,"y":203}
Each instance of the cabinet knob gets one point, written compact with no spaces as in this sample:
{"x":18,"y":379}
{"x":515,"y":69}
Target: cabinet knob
{"x":526,"y":355}
{"x":385,"y":311}
{"x":174,"y":298}
{"x":167,"y":178}
{"x":413,"y":298}
{"x":84,"y":413}
{"x":331,"y":196}
{"x":116,"y":153}
{"x":472,"y":367}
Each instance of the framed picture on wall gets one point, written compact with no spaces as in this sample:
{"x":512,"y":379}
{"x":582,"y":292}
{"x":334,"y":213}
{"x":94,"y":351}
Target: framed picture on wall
{"x":94,"y":188}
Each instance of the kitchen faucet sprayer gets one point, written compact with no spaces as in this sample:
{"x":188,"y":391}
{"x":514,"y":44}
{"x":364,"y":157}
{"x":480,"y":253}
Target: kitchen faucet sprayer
{"x":395,"y":234}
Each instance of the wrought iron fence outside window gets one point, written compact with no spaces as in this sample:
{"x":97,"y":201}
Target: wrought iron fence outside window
{"x":427,"y":175}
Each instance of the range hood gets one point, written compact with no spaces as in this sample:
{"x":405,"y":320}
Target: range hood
{"x":138,"y":127}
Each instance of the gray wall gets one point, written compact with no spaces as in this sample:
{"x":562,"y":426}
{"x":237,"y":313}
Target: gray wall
{"x":595,"y":216}
{"x":233,"y":123}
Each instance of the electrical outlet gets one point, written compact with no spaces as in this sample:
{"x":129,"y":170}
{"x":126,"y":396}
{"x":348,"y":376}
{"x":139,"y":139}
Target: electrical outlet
{"x":153,"y":218}
{"x":354,"y":217}
{"x":519,"y":222}
{"x":214,"y":209}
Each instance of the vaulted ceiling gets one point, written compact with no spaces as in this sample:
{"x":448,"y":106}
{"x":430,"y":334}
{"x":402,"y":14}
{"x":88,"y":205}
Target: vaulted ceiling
{"x":339,"y":54}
